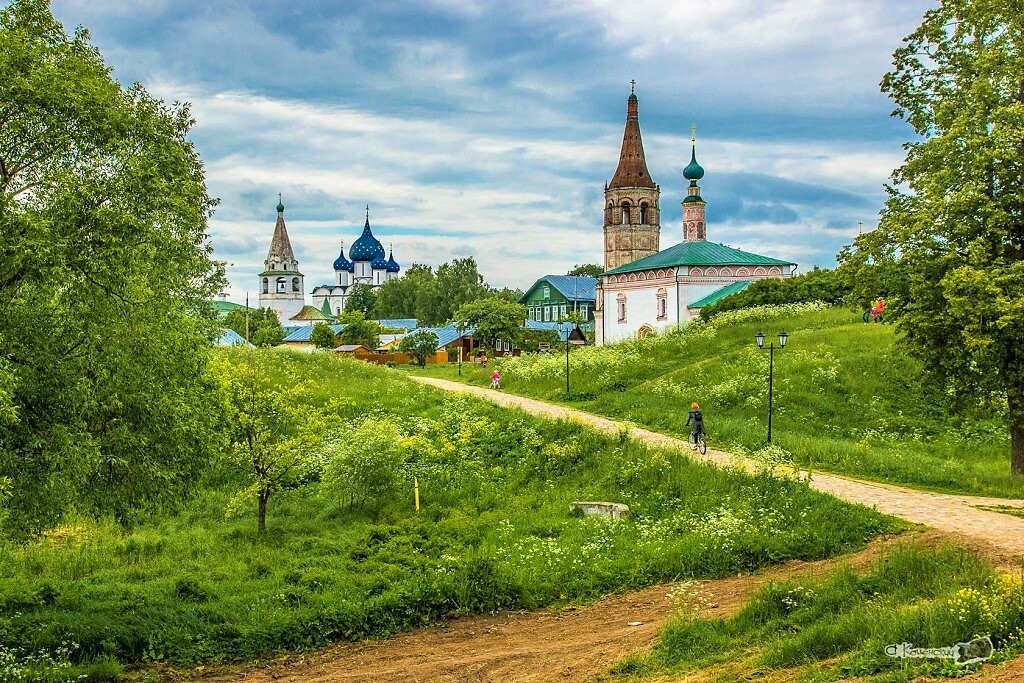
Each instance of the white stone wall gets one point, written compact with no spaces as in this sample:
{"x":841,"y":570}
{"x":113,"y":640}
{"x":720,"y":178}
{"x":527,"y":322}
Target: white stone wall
{"x":641,"y":308}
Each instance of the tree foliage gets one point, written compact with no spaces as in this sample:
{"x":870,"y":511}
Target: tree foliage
{"x":586,"y":270}
{"x":323,"y":337}
{"x":105,"y":272}
{"x":361,"y":297}
{"x":419,"y":345}
{"x":819,"y":284}
{"x":365,"y":467}
{"x":246,"y":321}
{"x":275,"y":430}
{"x":269,"y":331}
{"x":492,"y":318}
{"x":950,"y":244}
{"x":358,"y":330}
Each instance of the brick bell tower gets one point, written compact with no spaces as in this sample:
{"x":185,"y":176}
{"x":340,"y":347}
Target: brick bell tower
{"x":632,"y":215}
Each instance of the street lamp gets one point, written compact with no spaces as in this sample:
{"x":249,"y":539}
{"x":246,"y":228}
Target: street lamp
{"x":759,"y":338}
{"x":575,"y":337}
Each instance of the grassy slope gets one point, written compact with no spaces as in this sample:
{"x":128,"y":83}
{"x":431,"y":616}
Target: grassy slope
{"x":494,"y":532}
{"x":846,"y":399}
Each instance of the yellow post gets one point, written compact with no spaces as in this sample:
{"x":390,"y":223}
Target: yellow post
{"x":416,"y":492}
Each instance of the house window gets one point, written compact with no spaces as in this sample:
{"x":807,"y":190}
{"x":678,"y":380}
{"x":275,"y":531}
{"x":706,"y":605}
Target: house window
{"x":564,"y":311}
{"x":583,"y":311}
{"x":537,"y":314}
{"x":547,"y":292}
{"x":508,"y":345}
{"x":621,"y":301}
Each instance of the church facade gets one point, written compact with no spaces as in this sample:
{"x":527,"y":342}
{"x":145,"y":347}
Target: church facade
{"x":645,"y":289}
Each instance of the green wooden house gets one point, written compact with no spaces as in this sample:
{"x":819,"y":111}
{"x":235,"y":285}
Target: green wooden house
{"x":555,"y":297}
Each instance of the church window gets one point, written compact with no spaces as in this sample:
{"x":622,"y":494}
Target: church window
{"x":662,"y":298}
{"x":625,"y":213}
{"x":621,"y":301}
{"x":295,"y":284}
{"x":643,"y":213}
{"x":266,"y":285}
{"x":282,"y":284}
{"x":700,"y":231}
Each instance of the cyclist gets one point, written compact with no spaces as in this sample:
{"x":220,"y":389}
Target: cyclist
{"x":697,"y":419}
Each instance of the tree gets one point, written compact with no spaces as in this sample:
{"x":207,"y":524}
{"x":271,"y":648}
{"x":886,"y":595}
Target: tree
{"x":586,"y":270}
{"x":492,"y":318}
{"x":362,"y":298}
{"x":458,"y":283}
{"x":275,"y":429}
{"x":105,"y":275}
{"x":323,"y":336}
{"x":268,"y":332}
{"x":954,"y":220}
{"x":246,"y":321}
{"x":419,"y":345}
{"x":358,"y":330}
{"x":399,"y":298}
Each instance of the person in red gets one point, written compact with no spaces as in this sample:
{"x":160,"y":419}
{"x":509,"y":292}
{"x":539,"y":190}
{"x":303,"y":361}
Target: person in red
{"x":877,"y":310}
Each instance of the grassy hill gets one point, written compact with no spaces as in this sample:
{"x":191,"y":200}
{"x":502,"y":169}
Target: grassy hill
{"x":846,"y":398}
{"x":494,"y":532}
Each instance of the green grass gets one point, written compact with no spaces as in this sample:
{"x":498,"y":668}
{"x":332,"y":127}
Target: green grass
{"x":494,"y":532}
{"x":847,"y":399}
{"x":838,"y":627}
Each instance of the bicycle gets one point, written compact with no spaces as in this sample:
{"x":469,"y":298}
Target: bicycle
{"x":697,"y":442}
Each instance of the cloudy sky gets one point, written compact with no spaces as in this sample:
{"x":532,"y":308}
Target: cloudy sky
{"x":488,"y":129}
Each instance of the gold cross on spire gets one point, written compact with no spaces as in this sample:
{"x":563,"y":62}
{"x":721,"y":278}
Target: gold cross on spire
{"x":367,"y":212}
{"x":693,"y":133}
{"x":632,"y":86}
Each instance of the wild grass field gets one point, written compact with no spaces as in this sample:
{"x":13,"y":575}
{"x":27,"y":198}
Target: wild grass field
{"x":348,"y":557}
{"x":847,"y":399}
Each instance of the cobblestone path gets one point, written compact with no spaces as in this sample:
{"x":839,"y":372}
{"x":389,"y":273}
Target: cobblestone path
{"x":947,"y":512}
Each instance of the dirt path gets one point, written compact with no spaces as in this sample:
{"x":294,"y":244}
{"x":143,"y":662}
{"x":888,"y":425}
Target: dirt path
{"x":573,"y":645}
{"x":947,"y":512}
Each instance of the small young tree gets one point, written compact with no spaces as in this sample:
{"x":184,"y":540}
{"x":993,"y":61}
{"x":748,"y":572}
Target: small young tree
{"x":275,"y":429}
{"x":323,"y":336}
{"x":419,"y":345}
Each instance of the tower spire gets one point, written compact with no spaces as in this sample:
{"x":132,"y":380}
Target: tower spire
{"x":632,"y":170}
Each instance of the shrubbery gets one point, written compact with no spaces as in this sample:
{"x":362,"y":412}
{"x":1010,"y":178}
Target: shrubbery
{"x":831,"y":287}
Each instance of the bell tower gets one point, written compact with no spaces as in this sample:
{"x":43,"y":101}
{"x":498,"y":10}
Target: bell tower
{"x":694,"y":220}
{"x":281,"y":283}
{"x":632,"y":214}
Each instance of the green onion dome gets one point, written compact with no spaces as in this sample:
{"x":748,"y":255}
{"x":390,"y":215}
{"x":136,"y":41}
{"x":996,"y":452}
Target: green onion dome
{"x":693,"y":170}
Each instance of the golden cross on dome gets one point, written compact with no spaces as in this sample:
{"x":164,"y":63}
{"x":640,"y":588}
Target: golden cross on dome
{"x":367,"y":212}
{"x":693,"y":133}
{"x":632,"y":86}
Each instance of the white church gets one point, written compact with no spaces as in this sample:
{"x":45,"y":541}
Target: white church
{"x":645,"y":289}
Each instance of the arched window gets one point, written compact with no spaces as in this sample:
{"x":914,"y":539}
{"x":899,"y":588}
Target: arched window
{"x":625,"y":213}
{"x":281,"y":285}
{"x":621,"y":301}
{"x":266,"y":285}
{"x":700,"y":231}
{"x":644,"y":332}
{"x":295,"y":284}
{"x":643,"y":213}
{"x":662,"y":299}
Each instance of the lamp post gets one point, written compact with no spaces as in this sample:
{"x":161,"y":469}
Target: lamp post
{"x":575,"y":337}
{"x":759,"y":338}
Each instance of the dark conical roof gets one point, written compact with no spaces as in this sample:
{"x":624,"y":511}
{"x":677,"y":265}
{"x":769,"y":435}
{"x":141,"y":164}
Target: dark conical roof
{"x":280,"y":245}
{"x":632,"y":170}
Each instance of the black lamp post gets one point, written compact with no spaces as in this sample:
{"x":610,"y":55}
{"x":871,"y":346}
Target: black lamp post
{"x":575,"y":337}
{"x":759,"y":338}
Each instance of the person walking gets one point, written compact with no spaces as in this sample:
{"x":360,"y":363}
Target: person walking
{"x":696,"y":418}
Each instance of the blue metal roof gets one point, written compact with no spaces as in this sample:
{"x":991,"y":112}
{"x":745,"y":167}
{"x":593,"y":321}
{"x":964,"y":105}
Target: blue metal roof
{"x":399,"y":323}
{"x":447,"y":334}
{"x":572,"y":287}
{"x":232,"y":338}
{"x":303,"y":333}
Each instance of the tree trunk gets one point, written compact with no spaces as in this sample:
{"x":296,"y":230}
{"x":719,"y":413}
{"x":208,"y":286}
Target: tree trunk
{"x":1016,"y":405}
{"x":262,"y":514}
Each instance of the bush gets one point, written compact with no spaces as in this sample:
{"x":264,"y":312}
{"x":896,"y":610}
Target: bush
{"x":364,"y":465}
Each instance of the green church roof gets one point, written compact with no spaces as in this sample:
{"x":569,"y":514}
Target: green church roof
{"x":719,"y":294}
{"x":698,"y":253}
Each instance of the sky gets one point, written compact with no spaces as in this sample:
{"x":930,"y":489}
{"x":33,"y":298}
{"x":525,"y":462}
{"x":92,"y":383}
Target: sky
{"x":488,"y":129}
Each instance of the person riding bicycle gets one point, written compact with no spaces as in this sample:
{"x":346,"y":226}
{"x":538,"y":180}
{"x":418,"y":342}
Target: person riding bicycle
{"x":697,"y":419}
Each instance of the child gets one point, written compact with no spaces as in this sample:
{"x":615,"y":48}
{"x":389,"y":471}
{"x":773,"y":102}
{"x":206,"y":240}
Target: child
{"x":496,"y":380}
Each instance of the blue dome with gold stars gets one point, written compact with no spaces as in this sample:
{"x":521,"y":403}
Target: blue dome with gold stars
{"x":367,"y":247}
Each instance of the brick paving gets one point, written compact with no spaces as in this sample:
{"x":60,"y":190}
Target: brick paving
{"x":947,"y":512}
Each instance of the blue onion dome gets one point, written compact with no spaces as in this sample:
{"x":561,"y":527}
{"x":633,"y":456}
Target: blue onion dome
{"x":379,"y":262}
{"x":342,"y":263}
{"x":693,"y":170}
{"x":366,"y":248}
{"x":392,"y":266}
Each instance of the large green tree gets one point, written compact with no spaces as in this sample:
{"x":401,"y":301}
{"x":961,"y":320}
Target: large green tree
{"x":402,"y":297}
{"x":362,"y":298}
{"x":492,"y":318}
{"x":105,"y":272}
{"x":358,"y":330}
{"x":953,"y":227}
{"x":586,"y":270}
